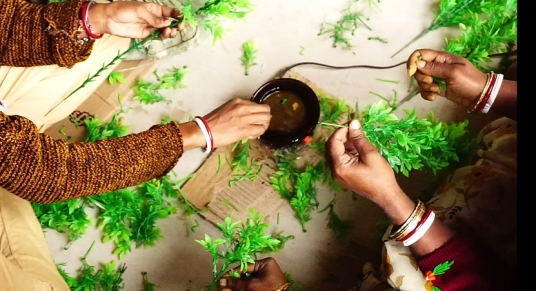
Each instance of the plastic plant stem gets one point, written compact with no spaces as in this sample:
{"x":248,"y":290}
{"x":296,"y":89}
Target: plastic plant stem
{"x":437,"y":23}
{"x":120,"y":56}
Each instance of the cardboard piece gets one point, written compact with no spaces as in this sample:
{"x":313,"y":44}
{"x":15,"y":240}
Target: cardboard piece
{"x":210,"y":188}
{"x":104,"y":102}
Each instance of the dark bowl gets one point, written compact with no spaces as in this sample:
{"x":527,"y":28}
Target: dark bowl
{"x":295,"y":111}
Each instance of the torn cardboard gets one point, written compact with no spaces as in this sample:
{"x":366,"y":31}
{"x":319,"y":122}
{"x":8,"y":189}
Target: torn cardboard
{"x":103,"y":103}
{"x":209,"y":189}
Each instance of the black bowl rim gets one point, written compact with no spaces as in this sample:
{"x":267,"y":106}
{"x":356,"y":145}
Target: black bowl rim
{"x":313,"y":108}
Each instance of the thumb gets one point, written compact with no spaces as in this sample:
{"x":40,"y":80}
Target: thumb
{"x":357,"y":136}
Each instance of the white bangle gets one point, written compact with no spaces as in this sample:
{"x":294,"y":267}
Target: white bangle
{"x":494,"y":93}
{"x":204,"y":130}
{"x":421,"y":231}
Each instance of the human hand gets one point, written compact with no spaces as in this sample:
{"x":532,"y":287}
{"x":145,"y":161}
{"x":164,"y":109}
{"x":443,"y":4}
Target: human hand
{"x":356,"y":164}
{"x":236,"y":120}
{"x":264,"y":275}
{"x":133,"y":19}
{"x":464,"y":81}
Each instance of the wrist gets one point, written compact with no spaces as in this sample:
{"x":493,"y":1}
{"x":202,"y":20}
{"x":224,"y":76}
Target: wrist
{"x":96,"y":18}
{"x":192,"y":137}
{"x":396,"y":205}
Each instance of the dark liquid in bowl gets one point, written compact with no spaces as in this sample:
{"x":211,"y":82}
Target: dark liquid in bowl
{"x":288,"y":111}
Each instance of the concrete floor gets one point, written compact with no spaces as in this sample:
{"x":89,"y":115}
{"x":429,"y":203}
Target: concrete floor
{"x":280,"y":28}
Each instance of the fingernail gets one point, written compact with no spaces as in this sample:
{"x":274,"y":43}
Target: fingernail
{"x":355,"y":125}
{"x":421,"y":64}
{"x":164,"y":20}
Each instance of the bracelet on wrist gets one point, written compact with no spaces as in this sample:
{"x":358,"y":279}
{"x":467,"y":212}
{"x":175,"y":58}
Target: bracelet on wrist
{"x":493,"y":94}
{"x":422,"y":228}
{"x":410,"y":224}
{"x":84,"y":17}
{"x":205,"y":129}
{"x":283,"y":287}
{"x":485,"y":92}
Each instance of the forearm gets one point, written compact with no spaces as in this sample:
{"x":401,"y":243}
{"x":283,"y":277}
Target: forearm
{"x":36,"y":35}
{"x":506,"y":100}
{"x":38,"y":168}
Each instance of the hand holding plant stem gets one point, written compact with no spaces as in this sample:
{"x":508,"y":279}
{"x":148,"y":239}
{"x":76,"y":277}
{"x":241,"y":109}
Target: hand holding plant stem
{"x":241,"y":243}
{"x":134,"y":46}
{"x":133,"y":19}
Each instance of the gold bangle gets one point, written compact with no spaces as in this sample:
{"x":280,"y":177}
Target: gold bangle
{"x":410,"y":223}
{"x":486,"y":87}
{"x":413,"y":223}
{"x":283,"y":287}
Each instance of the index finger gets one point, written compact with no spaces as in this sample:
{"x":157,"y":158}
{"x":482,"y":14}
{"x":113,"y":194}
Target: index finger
{"x":429,"y":55}
{"x":335,"y":145}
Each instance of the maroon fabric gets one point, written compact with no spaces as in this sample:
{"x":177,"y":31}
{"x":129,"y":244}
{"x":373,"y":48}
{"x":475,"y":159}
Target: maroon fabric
{"x":474,"y":268}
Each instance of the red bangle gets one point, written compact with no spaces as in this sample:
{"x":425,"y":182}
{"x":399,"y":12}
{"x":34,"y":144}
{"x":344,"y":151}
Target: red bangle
{"x":209,"y":132}
{"x":85,"y":23}
{"x":482,"y":103}
{"x":421,"y":222}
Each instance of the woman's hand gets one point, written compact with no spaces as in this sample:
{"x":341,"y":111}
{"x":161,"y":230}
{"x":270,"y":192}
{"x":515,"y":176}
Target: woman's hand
{"x":264,"y":275}
{"x":132,"y":19}
{"x":233,"y":121}
{"x":356,"y":164}
{"x":464,"y":81}
{"x":238,"y":119}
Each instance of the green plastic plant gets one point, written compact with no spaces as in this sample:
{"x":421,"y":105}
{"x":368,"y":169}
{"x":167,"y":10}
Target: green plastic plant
{"x":341,"y":30}
{"x":129,"y":216}
{"x":149,"y":92}
{"x":243,"y":167}
{"x":109,"y":277}
{"x":332,"y":111}
{"x":248,"y":56}
{"x":116,"y":78}
{"x":340,"y":227}
{"x":211,"y":15}
{"x":452,"y":13}
{"x":67,"y":217}
{"x":408,"y":143}
{"x":188,"y":209}
{"x":298,"y":186}
{"x":241,"y":244}
{"x":411,"y":143}
{"x":147,"y":285}
{"x":487,"y":33}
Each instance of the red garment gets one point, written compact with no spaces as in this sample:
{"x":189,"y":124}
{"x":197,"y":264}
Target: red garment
{"x":472,"y":267}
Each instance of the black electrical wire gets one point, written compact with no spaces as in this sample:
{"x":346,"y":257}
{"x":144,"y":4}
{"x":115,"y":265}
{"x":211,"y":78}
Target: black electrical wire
{"x":284,"y":71}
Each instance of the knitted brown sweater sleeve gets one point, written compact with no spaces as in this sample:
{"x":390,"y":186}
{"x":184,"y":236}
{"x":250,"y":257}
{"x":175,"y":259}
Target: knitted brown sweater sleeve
{"x":36,"y":35}
{"x":38,"y":168}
